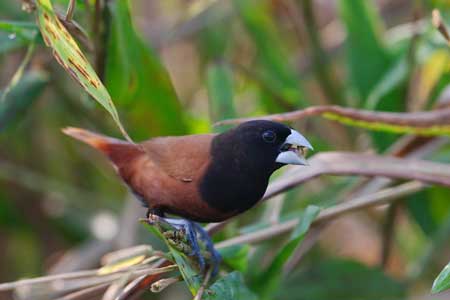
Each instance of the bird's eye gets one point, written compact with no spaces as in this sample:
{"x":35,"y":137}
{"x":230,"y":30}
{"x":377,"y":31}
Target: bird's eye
{"x":269,"y":136}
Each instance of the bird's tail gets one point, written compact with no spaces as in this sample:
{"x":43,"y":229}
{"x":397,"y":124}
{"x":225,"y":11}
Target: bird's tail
{"x":118,"y":151}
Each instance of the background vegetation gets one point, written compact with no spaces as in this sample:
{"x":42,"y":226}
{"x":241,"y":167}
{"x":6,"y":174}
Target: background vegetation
{"x":175,"y":67}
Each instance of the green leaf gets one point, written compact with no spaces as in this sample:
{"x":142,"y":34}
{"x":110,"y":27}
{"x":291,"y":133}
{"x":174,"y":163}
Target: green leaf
{"x":275,"y":70}
{"x":24,"y":30}
{"x":190,"y":275}
{"x":442,"y":282}
{"x":21,"y":96}
{"x":136,"y":77}
{"x":220,"y":91}
{"x":236,"y":257}
{"x":269,"y":280}
{"x":69,"y":55}
{"x":430,"y":208}
{"x":230,"y":287}
{"x":419,"y":209}
{"x":14,"y":35}
{"x":340,"y":279}
{"x":390,"y":81}
{"x":367,"y":56}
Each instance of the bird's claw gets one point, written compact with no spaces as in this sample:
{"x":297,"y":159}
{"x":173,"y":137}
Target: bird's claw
{"x":215,"y":255}
{"x":190,"y":231}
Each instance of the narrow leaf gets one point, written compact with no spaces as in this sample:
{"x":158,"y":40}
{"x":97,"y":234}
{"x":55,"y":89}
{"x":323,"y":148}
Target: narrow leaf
{"x":274,"y":69}
{"x":190,"y":274}
{"x":230,"y":287}
{"x":220,"y":91}
{"x":271,"y":277}
{"x":21,"y":96}
{"x":348,"y":164}
{"x":236,"y":257}
{"x":137,"y":79}
{"x":367,"y":56}
{"x":442,"y":282}
{"x":69,"y":55}
{"x":393,"y":77}
{"x":14,"y":35}
{"x":24,"y":30}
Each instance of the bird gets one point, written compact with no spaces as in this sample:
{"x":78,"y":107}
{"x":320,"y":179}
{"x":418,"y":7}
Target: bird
{"x":203,"y":177}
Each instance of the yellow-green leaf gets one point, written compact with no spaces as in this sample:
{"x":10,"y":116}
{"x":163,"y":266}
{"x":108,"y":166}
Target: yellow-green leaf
{"x":124,"y":264}
{"x":69,"y":55}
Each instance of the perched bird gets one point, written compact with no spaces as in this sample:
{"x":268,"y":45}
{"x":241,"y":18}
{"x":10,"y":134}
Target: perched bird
{"x":202,"y":178}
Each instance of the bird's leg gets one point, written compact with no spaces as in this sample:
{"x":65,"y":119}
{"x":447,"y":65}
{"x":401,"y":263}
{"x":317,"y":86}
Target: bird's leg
{"x":215,"y":255}
{"x":190,"y":231}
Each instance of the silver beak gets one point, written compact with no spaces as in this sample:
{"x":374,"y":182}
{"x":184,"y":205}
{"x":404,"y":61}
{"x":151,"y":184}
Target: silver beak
{"x":294,"y":154}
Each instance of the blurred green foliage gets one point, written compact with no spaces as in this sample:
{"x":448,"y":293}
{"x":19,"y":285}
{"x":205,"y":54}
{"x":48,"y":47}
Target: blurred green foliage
{"x":175,"y":67}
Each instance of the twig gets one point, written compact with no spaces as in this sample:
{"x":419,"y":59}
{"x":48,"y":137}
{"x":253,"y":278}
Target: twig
{"x":86,"y":293}
{"x":202,"y":288}
{"x":83,"y":274}
{"x":310,"y":240}
{"x":388,"y":233}
{"x":274,"y":208}
{"x":347,"y":163}
{"x":439,"y":25}
{"x":135,"y":288}
{"x":70,"y":10}
{"x":162,"y":284}
{"x":19,"y":72}
{"x":417,"y":120}
{"x":378,"y":198}
{"x":82,"y":257}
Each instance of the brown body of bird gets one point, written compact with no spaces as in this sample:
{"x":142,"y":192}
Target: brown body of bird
{"x":204,"y":178}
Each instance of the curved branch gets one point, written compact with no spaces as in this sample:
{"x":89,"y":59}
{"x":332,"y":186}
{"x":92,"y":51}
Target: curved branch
{"x":426,"y":122}
{"x":348,"y":163}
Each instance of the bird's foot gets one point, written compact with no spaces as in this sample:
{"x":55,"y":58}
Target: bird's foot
{"x":189,"y":235}
{"x":186,"y":239}
{"x":215,"y":255}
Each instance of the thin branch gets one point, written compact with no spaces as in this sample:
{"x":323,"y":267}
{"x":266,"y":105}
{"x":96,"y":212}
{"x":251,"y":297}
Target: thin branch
{"x":86,"y":293}
{"x":135,"y":288}
{"x":439,"y":25}
{"x":202,"y":288}
{"x":388,"y":233}
{"x":382,"y":197}
{"x":418,"y":120}
{"x":19,"y":72}
{"x":70,"y":10}
{"x":347,"y":163}
{"x":85,"y":274}
{"x":162,"y":284}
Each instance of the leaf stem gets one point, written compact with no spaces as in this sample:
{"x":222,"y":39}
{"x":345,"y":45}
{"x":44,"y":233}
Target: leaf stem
{"x":70,"y":10}
{"x":202,"y":288}
{"x":19,"y":72}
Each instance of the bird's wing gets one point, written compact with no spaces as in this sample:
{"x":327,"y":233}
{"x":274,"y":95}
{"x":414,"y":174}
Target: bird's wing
{"x":181,"y":157}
